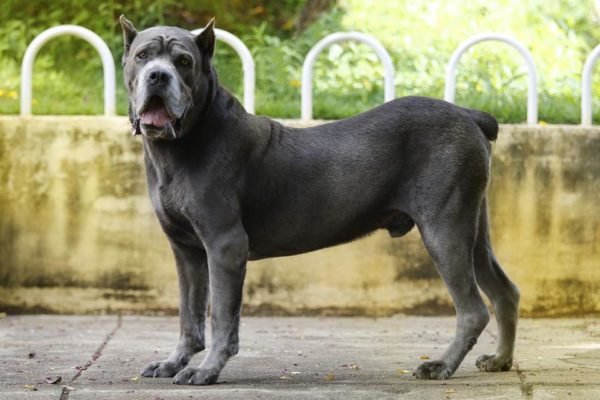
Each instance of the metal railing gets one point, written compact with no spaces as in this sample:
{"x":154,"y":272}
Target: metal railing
{"x":108,"y":64}
{"x":247,"y":64}
{"x":586,"y":87}
{"x":309,"y":62}
{"x":532,"y":95}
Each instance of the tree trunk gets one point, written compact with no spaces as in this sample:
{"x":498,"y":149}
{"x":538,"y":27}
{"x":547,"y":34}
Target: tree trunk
{"x":311,"y":11}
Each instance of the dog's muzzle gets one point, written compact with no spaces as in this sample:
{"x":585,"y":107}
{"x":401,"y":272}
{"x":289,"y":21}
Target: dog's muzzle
{"x":159,"y":102}
{"x":156,"y":121}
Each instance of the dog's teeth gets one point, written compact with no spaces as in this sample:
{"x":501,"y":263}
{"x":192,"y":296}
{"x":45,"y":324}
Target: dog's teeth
{"x":135,"y":127}
{"x":171,"y":127}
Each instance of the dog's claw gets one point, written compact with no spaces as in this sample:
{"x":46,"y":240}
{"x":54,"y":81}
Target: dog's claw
{"x":433,"y":370}
{"x":161,"y":369}
{"x":491,"y":363}
{"x":196,"y":376}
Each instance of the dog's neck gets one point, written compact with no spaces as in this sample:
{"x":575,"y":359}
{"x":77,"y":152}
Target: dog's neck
{"x":211,"y":95}
{"x":220,"y":108}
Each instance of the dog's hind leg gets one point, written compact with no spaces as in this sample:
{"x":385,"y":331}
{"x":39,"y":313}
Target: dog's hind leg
{"x":192,"y":272}
{"x":449,"y":234}
{"x":503,"y":295}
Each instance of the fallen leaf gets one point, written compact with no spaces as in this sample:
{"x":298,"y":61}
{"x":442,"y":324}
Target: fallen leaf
{"x":53,"y":380}
{"x":2,"y":315}
{"x":354,"y":366}
{"x":403,"y":371}
{"x":30,"y":388}
{"x":295,"y":372}
{"x":329,"y":377}
{"x":448,"y":391}
{"x":135,"y":378}
{"x":424,"y":358}
{"x":285,"y":377}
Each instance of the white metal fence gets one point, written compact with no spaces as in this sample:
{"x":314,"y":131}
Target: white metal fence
{"x":247,"y":64}
{"x":586,"y":87}
{"x":249,"y":73}
{"x":309,"y":62}
{"x":108,"y":64}
{"x":532,"y":94}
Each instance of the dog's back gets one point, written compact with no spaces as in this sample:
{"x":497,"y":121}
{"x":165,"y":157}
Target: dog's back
{"x":328,"y":184}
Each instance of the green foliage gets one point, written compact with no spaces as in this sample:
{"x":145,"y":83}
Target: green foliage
{"x":348,"y":78}
{"x":491,"y":76}
{"x":68,"y":72}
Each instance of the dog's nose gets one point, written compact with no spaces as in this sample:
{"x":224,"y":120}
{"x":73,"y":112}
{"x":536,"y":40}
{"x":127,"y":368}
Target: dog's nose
{"x":158,"y":77}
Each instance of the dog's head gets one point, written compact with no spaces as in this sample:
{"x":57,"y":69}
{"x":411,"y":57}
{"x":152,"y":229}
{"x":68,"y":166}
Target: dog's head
{"x":168,"y":74}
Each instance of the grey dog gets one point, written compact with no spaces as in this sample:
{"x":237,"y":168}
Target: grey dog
{"x":228,"y":187}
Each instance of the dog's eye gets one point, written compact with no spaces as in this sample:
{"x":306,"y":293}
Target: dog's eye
{"x":184,"y":61}
{"x":142,"y":55}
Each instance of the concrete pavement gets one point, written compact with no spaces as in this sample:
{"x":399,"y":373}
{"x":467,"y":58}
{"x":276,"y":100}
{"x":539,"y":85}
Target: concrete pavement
{"x":99,"y":357}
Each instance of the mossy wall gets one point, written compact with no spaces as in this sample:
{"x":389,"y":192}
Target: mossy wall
{"x":78,"y":235}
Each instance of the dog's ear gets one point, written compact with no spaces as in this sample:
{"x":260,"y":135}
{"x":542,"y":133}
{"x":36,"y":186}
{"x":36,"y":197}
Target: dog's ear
{"x":129,"y":33}
{"x":206,"y":43}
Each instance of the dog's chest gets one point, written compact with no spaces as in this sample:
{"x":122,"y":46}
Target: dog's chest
{"x":168,"y":205}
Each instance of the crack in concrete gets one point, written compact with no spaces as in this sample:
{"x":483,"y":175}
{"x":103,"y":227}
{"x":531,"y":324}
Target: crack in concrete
{"x":64,"y":395}
{"x":526,"y":387}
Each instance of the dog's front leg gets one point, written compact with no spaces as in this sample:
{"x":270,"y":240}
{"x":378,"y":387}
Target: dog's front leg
{"x":227,"y":256}
{"x":192,"y":271}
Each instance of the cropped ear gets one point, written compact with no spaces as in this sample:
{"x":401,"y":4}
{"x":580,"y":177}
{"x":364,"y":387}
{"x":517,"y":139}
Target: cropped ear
{"x":206,"y":42}
{"x":129,"y":33}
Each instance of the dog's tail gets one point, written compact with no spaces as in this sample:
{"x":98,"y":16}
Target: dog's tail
{"x":487,"y":123}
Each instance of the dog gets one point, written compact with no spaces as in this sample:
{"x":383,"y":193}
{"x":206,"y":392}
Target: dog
{"x":228,"y":186}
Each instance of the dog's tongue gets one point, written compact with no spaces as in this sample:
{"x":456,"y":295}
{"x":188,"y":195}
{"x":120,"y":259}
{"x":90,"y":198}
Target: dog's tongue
{"x":156,"y":115}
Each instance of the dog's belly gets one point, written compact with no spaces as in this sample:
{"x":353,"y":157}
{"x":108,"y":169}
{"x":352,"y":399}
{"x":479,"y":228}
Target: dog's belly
{"x":275,"y":240}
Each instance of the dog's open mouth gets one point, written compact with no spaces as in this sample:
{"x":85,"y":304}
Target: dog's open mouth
{"x":155,"y":113}
{"x":156,"y":121}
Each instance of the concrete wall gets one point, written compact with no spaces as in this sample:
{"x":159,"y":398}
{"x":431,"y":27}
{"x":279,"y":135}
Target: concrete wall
{"x":77,"y":233}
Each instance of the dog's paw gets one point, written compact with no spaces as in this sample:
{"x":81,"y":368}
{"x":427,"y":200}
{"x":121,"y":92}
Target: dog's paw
{"x":492,"y":363}
{"x":161,"y":369}
{"x":196,"y":376}
{"x":433,"y":370}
